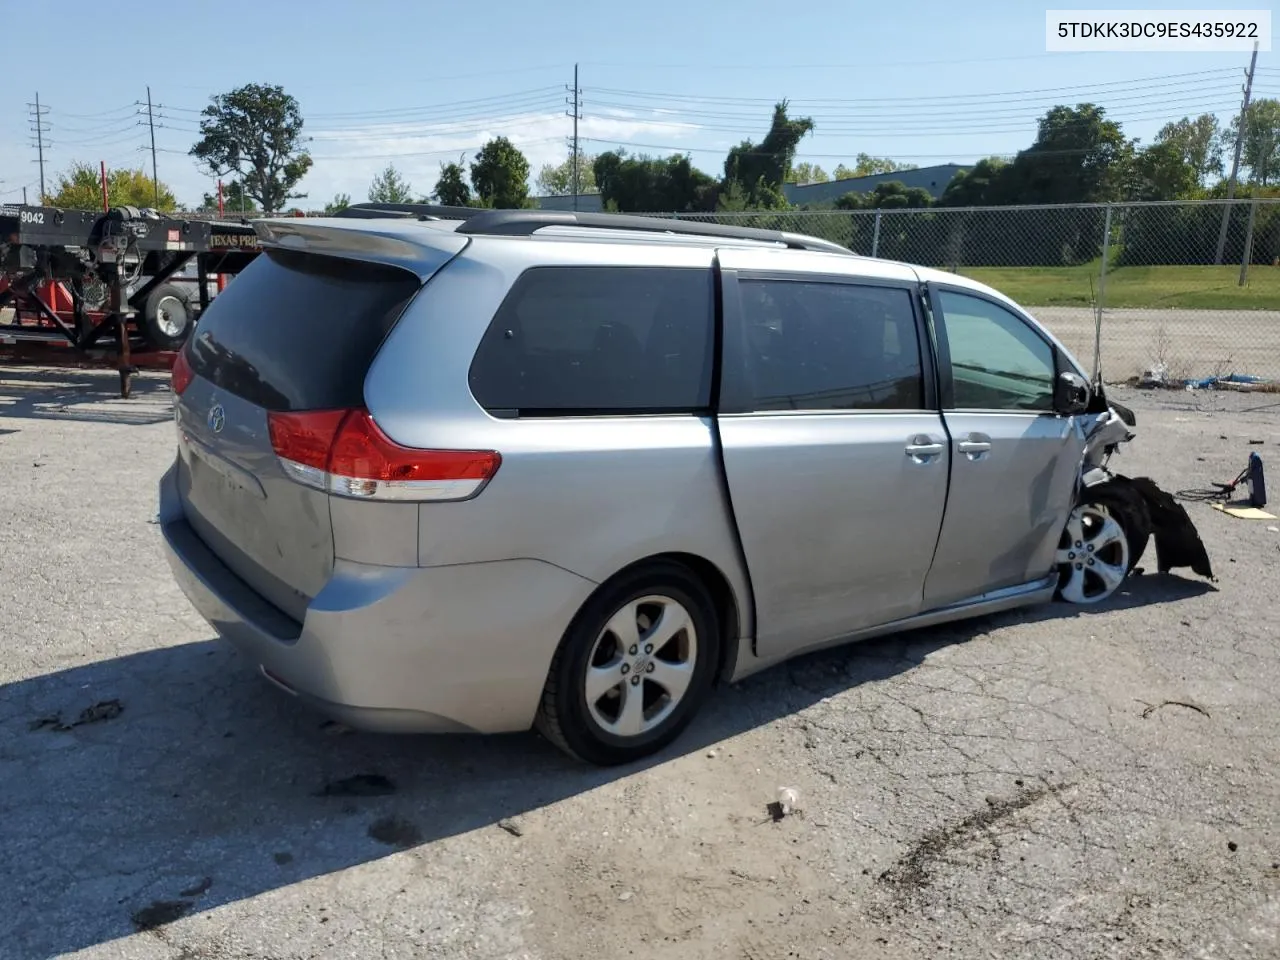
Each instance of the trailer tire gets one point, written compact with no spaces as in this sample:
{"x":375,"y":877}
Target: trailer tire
{"x":167,"y":317}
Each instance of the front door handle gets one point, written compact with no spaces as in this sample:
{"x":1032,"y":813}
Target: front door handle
{"x":922,"y":449}
{"x":975,"y":446}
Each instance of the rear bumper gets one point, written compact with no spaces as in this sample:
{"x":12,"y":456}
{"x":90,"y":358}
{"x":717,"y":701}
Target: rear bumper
{"x":461,"y":648}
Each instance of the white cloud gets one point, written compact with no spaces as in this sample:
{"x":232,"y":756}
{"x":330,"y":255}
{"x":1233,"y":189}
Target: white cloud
{"x":348,"y":158}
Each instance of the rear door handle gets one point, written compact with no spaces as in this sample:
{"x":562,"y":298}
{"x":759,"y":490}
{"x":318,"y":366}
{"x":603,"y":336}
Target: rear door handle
{"x":975,"y":446}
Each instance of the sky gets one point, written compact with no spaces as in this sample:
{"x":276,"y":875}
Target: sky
{"x":417,"y":84}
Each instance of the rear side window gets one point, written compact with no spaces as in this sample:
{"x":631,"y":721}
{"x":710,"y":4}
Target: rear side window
{"x":583,"y":340}
{"x":298,"y":331}
{"x":831,"y":346}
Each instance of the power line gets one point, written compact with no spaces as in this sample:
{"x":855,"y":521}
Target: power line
{"x":876,"y":127}
{"x":1197,"y":92}
{"x":419,"y":111}
{"x":447,"y":151}
{"x":1156,"y":82}
{"x":861,"y":65}
{"x":101,"y":115}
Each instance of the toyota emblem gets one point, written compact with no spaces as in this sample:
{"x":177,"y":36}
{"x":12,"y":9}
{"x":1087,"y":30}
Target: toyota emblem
{"x":217,"y":418}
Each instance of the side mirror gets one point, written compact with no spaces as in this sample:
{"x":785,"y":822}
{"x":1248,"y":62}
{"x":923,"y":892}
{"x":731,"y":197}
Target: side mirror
{"x":1071,"y":393}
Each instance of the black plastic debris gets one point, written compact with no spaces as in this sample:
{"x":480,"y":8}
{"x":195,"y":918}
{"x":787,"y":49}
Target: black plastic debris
{"x":361,"y":785}
{"x":1177,"y":541}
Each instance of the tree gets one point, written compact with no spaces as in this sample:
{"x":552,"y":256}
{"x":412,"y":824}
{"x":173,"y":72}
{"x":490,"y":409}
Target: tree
{"x":889,"y":195}
{"x":1161,"y":172}
{"x":556,"y":179}
{"x":500,"y":175}
{"x":976,"y":186}
{"x":80,"y":188}
{"x":762,"y":169}
{"x":255,"y":131}
{"x":1197,"y":142}
{"x":650,"y":184}
{"x":390,"y":187}
{"x":808,"y":173}
{"x":339,"y":202}
{"x":1261,"y":150}
{"x":866,"y":165}
{"x":452,"y":189}
{"x":234,"y":200}
{"x":1079,"y":156}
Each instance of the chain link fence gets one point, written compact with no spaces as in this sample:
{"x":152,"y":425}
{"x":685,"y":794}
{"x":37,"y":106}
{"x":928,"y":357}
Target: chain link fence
{"x":1188,"y":293}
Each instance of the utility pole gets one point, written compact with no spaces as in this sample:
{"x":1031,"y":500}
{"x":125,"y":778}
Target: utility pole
{"x":576,"y":113}
{"x":1235,"y":161}
{"x":40,"y":127}
{"x":155,"y":175}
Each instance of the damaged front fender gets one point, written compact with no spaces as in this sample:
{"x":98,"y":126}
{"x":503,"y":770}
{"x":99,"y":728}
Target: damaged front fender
{"x":1177,"y":541}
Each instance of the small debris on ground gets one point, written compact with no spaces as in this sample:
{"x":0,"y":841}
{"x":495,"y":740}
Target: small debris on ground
{"x":511,"y":827}
{"x":788,"y":802}
{"x":1153,"y":707}
{"x":361,"y":785}
{"x":1232,"y":846}
{"x":395,"y":832}
{"x":159,"y":913}
{"x":103,"y":710}
{"x":197,"y":888}
{"x":625,"y":895}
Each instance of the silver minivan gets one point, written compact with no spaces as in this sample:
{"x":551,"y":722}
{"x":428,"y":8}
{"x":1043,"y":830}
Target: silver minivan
{"x":445,"y":470}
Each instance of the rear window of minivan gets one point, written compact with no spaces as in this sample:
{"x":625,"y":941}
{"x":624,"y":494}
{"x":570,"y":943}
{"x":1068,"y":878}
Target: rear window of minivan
{"x":298,"y":331}
{"x":599,"y":340}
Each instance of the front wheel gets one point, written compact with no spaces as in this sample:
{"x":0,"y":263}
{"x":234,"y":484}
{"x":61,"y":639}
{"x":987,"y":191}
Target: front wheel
{"x":1105,"y":535}
{"x":633,"y":668}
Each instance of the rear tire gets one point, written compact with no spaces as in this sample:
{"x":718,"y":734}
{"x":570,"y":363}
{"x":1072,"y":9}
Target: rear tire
{"x":167,"y":317}
{"x":633,"y":668}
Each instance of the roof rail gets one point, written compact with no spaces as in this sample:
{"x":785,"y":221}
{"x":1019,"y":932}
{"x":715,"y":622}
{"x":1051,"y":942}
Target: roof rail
{"x":406,"y":211}
{"x":524,"y":223}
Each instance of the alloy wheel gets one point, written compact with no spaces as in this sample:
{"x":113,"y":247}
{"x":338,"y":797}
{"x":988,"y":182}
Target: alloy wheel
{"x":640,"y":666}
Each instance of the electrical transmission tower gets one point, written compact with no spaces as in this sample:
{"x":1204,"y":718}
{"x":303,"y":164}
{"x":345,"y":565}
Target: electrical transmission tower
{"x":575,"y":111}
{"x":40,"y":127}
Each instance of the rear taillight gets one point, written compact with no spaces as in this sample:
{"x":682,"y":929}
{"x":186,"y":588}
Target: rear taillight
{"x":345,"y":453}
{"x":182,"y":373}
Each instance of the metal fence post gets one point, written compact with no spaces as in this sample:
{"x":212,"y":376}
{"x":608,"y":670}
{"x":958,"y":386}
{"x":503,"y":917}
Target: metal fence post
{"x":875,"y":235}
{"x":1102,"y":296}
{"x":1248,"y":243}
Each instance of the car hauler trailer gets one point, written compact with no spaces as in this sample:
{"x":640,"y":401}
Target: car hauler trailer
{"x":87,"y":287}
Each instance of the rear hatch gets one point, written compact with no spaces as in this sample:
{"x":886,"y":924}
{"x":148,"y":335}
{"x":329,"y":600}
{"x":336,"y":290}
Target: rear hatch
{"x":293,"y":332}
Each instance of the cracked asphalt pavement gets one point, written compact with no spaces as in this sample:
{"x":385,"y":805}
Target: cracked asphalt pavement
{"x":1057,"y":782}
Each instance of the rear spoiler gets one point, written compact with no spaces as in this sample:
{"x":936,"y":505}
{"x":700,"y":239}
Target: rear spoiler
{"x":392,"y":242}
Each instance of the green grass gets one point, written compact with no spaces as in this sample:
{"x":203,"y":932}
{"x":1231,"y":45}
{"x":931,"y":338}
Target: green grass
{"x":1193,"y":288}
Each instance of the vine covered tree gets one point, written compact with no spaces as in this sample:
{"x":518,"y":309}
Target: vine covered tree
{"x":452,"y":188}
{"x":255,"y":131}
